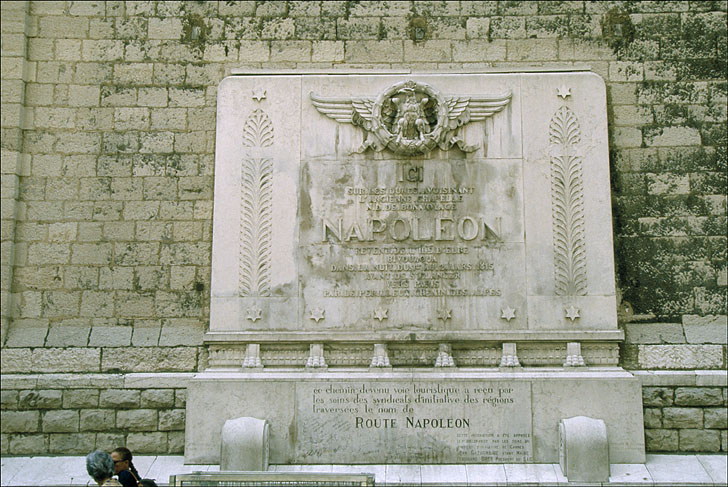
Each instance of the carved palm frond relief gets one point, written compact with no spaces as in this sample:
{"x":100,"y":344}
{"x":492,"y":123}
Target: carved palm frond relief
{"x":567,"y":200}
{"x":255,"y":226}
{"x":258,"y":130}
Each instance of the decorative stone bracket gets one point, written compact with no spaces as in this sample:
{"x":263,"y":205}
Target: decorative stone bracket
{"x":444,"y":356}
{"x":509,"y":357}
{"x":316,"y":356}
{"x":573,"y":355}
{"x":252,"y":356}
{"x":381,"y":357}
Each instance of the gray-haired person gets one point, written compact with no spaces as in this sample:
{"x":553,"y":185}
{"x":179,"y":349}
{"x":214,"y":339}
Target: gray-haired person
{"x":100,"y":467}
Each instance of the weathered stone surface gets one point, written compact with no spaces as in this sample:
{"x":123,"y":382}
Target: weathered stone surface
{"x":16,"y":360}
{"x":8,"y":399}
{"x":119,"y":398}
{"x":137,"y":420}
{"x":65,"y":360}
{"x":661,"y":440}
{"x":653,"y":418}
{"x":20,"y":421}
{"x":176,"y":442}
{"x":147,"y":442}
{"x":640,"y":333}
{"x":97,"y":419}
{"x":692,"y":440}
{"x":40,"y":399}
{"x":682,"y":417}
{"x":150,"y":359}
{"x":62,"y":421}
{"x":71,"y":444}
{"x":680,"y":356}
{"x":157,"y":398}
{"x":716,"y":418}
{"x":657,"y":396}
{"x":27,"y":444}
{"x":698,"y":396}
{"x":81,"y":398}
{"x":706,"y":329}
{"x":172,"y":420}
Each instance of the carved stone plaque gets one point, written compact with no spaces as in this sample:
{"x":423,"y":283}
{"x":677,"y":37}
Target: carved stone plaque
{"x":367,"y":207}
{"x":415,"y":422}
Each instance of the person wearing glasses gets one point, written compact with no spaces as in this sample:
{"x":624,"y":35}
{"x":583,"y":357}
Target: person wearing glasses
{"x":123,"y":467}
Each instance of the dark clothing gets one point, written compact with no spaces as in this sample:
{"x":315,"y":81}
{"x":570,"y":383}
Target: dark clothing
{"x":127,"y":479}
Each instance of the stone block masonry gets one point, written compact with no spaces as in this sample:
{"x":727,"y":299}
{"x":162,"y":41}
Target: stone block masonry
{"x":73,"y":414}
{"x":108,"y":134}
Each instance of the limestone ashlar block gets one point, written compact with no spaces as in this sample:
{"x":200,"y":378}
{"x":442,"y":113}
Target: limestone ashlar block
{"x":661,"y":440}
{"x":71,"y":443}
{"x":148,"y":359}
{"x":147,"y":442}
{"x":60,"y":421}
{"x":109,"y":441}
{"x":657,"y":396}
{"x":119,"y":398}
{"x":654,"y":333}
{"x":176,"y":442}
{"x":66,"y":360}
{"x":20,"y":421}
{"x":698,"y":396}
{"x":653,"y":418}
{"x":706,"y":329}
{"x":21,"y":444}
{"x":97,"y":419}
{"x":716,"y":418}
{"x":15,"y":360}
{"x":680,"y":356}
{"x":699,"y":440}
{"x":9,"y":399}
{"x":157,"y":398}
{"x":137,"y":420}
{"x":80,"y":398}
{"x":172,"y":420}
{"x":40,"y":399}
{"x":682,"y":417}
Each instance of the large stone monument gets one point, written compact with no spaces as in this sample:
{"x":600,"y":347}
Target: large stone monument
{"x":413,"y":268}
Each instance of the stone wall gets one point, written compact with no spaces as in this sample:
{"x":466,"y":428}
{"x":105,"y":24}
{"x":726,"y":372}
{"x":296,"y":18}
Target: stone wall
{"x":108,"y":129}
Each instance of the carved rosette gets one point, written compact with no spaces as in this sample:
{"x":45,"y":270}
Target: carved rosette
{"x":256,"y":194}
{"x":567,"y":200}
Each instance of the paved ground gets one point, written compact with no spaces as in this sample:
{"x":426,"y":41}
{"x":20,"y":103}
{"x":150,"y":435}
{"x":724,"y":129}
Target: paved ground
{"x":659,"y":470}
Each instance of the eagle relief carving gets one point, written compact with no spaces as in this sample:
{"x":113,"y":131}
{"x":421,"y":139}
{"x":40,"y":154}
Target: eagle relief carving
{"x":410,"y":117}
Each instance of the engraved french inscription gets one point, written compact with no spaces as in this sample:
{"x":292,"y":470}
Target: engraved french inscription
{"x":411,"y":422}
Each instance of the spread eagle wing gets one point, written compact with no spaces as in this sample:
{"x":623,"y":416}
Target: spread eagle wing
{"x":464,"y":109}
{"x":354,"y":110}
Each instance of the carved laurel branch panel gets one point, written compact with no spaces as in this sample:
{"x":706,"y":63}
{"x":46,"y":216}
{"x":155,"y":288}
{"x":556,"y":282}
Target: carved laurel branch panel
{"x":256,"y":195}
{"x":567,"y":198}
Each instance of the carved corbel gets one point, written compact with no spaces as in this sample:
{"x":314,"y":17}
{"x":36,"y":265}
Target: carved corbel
{"x":444,"y":356}
{"x":573,"y":355}
{"x":252,"y":356}
{"x":509,"y":357}
{"x":316,"y":356}
{"x":381,"y":356}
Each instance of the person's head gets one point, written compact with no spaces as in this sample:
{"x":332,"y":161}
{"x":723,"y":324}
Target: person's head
{"x":99,"y":465}
{"x":122,"y":459}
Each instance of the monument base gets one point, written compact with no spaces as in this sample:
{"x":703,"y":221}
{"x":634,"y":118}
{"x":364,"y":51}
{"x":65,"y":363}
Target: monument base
{"x":415,"y":416}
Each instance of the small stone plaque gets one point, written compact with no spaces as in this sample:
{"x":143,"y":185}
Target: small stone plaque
{"x":414,"y":422}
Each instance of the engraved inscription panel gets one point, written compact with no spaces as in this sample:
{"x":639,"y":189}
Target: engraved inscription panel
{"x":413,"y":422}
{"x":406,"y":242}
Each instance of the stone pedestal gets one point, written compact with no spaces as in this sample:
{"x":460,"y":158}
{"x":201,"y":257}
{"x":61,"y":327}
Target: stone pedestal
{"x":353,"y":417}
{"x":244,"y":444}
{"x":413,"y":268}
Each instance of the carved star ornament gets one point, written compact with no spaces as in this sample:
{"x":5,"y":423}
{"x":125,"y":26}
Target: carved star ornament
{"x":411,"y":117}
